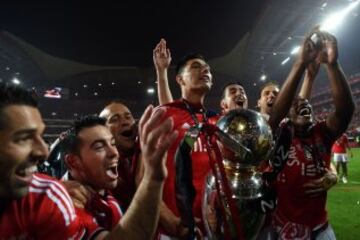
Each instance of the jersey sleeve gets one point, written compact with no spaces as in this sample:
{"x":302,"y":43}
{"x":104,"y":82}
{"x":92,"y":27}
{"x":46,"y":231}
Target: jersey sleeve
{"x":54,"y":215}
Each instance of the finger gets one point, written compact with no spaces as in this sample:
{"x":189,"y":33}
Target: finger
{"x":163,"y":46}
{"x":197,"y":220}
{"x":78,"y":204}
{"x":144,"y":118}
{"x":198,"y":233}
{"x":151,"y":123}
{"x":168,"y":53}
{"x":155,"y":133}
{"x":82,"y":194}
{"x":157,"y":47}
{"x":164,"y":146}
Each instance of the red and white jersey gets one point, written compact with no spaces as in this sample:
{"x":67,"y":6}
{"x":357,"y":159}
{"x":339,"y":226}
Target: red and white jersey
{"x":200,"y":159}
{"x":46,"y":212}
{"x":307,"y":160}
{"x":340,"y":144}
{"x":102,"y":213}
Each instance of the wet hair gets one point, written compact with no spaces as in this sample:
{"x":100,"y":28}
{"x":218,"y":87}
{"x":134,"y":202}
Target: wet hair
{"x":182,"y":62}
{"x":14,"y":95}
{"x":71,"y":140}
{"x":228,"y":84}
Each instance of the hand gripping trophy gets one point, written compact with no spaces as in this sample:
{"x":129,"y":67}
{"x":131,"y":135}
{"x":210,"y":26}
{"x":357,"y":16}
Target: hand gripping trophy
{"x":233,"y":198}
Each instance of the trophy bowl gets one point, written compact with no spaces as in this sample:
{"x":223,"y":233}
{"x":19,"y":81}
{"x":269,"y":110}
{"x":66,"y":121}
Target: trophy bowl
{"x":245,"y":141}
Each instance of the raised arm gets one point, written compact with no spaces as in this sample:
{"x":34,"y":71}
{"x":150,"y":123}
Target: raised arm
{"x":287,"y":93}
{"x":338,"y":121}
{"x":162,"y":60}
{"x":310,"y":73}
{"x":141,"y":218}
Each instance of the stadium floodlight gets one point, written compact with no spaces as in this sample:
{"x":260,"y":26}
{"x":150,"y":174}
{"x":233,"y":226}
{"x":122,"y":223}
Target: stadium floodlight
{"x":285,"y":61}
{"x":150,"y":90}
{"x":335,"y":19}
{"x":263,"y":77}
{"x":295,"y":50}
{"x":15,"y":81}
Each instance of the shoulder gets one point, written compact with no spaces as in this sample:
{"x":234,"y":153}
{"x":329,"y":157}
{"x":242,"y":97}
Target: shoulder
{"x":52,"y":198}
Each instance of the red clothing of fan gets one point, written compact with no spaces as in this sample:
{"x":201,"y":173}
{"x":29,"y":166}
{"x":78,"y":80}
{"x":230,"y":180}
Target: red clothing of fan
{"x":340,"y":144}
{"x":46,"y":212}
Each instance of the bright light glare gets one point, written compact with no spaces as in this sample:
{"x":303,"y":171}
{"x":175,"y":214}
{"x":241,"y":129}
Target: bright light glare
{"x":295,"y":50}
{"x":16,"y":81}
{"x":335,"y":19}
{"x":285,"y":61}
{"x":263,"y":77}
{"x":150,"y":90}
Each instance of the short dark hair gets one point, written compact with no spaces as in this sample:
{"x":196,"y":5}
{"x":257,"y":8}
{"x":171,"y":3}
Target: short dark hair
{"x":71,"y":140}
{"x":14,"y":95}
{"x":228,"y":84}
{"x":182,"y":62}
{"x":270,"y":83}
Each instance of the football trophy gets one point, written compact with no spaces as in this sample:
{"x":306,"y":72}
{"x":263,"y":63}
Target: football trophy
{"x":235,"y":188}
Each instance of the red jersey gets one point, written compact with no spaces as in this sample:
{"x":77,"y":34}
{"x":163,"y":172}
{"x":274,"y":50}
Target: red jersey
{"x":307,"y":160}
{"x":102,"y":213}
{"x":340,"y":144}
{"x":183,"y":120}
{"x":46,"y":212}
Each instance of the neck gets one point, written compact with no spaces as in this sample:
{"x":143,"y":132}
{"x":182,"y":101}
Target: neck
{"x":194,"y":98}
{"x":73,"y":176}
{"x":302,"y":131}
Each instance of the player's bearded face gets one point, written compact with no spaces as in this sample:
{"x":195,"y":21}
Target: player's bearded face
{"x":196,"y":75}
{"x":21,"y":148}
{"x":98,"y":158}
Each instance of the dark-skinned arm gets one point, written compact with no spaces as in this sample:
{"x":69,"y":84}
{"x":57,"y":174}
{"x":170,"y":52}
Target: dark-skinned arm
{"x":337,"y":121}
{"x":287,"y":93}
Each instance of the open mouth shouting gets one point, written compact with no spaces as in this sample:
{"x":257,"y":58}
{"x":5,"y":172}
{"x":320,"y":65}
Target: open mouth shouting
{"x":128,"y":134}
{"x":112,"y":171}
{"x":239,"y":101}
{"x":270,"y":102}
{"x":304,"y":110}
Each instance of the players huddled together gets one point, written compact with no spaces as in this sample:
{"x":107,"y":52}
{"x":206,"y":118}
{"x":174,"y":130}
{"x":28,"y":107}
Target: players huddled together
{"x":120,"y":178}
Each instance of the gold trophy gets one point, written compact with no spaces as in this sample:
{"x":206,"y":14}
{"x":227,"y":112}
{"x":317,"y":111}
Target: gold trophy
{"x":234,"y":189}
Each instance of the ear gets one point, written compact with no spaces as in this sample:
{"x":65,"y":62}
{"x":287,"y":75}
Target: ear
{"x":223,"y":104}
{"x":258,"y":103}
{"x":72,"y":161}
{"x":179,"y":80}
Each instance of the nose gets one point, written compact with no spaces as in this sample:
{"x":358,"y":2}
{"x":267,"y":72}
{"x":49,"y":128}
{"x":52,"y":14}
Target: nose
{"x":112,"y":152}
{"x":205,"y":69}
{"x":40,"y":149}
{"x":272,"y":95}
